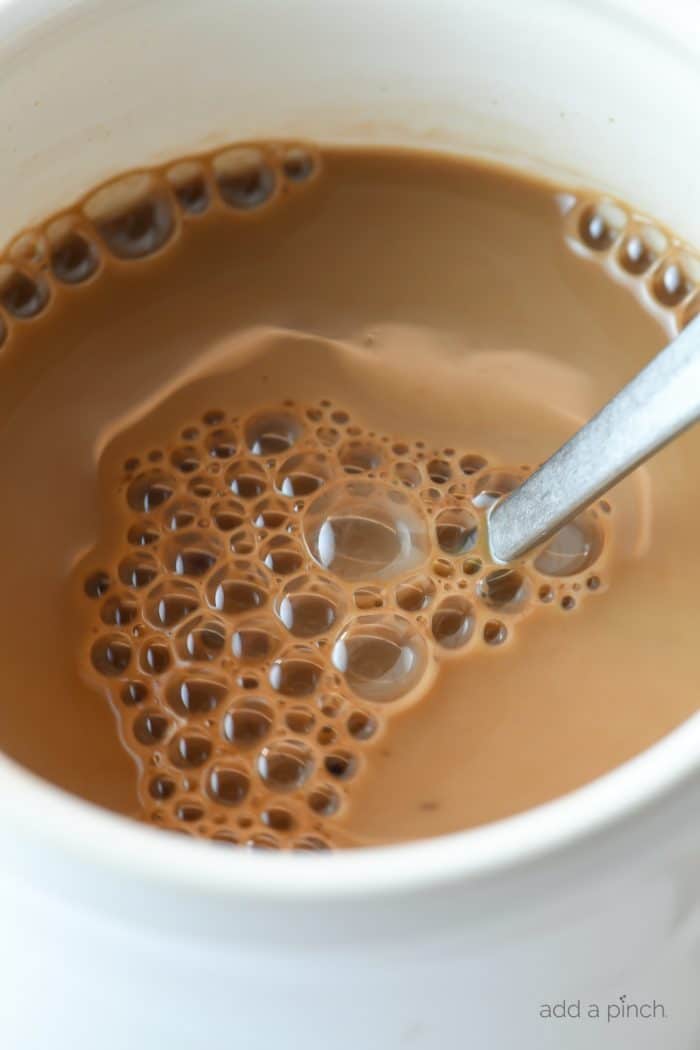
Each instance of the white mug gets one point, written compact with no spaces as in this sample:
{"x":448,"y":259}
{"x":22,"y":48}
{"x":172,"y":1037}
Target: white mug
{"x":506,"y":937}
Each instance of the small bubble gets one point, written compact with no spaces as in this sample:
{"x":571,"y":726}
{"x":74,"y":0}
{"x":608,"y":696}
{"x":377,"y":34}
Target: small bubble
{"x":568,"y":602}
{"x":408,"y":474}
{"x":492,"y":485}
{"x":285,"y":765}
{"x":328,"y":435}
{"x":281,"y":555}
{"x":203,"y":639}
{"x":546,"y":594}
{"x":471,"y":464}
{"x":262,"y":840}
{"x":594,"y":229}
{"x":195,"y":696}
{"x":297,"y":164}
{"x":495,"y":633}
{"x":593,"y":583}
{"x":111,"y":655}
{"x":228,"y":515}
{"x":295,"y":675}
{"x":228,"y":785}
{"x":382,"y":656}
{"x":271,"y":433}
{"x":189,"y":750}
{"x":456,"y":530}
{"x":133,"y":217}
{"x":246,"y":479}
{"x":74,"y":258}
{"x":143,"y":534}
{"x":361,"y":726}
{"x":161,"y":788}
{"x":300,"y":720}
{"x":330,"y":704}
{"x":254,"y":641}
{"x":270,"y":514}
{"x":221,"y":443}
{"x":504,"y":589}
{"x":138,"y":569}
{"x":119,"y":611}
{"x":189,"y":185}
{"x":471,"y":566}
{"x":22,"y":296}
{"x":326,"y":736}
{"x":150,"y":728}
{"x":341,"y":764}
{"x":155,"y":657}
{"x":452,"y":622}
{"x":572,"y":549}
{"x":181,"y":515}
{"x":309,"y":606}
{"x":245,"y":181}
{"x":340,"y":417}
{"x":359,"y":456}
{"x":134,"y":693}
{"x":201,"y":486}
{"x":192,"y":554}
{"x":303,"y":474}
{"x":278,"y":819}
{"x":443,"y":568}
{"x":248,"y":721}
{"x":415,"y":593}
{"x":670,"y":284}
{"x":242,"y":541}
{"x":185,"y":459}
{"x":367,"y":598}
{"x":189,"y":812}
{"x":170,"y":603}
{"x":324,"y":801}
{"x":96,"y":584}
{"x":439,"y":471}
{"x":635,"y":255}
{"x":237,"y":588}
{"x":150,"y":490}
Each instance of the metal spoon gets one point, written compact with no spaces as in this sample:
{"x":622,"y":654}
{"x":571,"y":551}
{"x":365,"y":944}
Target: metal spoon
{"x":658,"y":404}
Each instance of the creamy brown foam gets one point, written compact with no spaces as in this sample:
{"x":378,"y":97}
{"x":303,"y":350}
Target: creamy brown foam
{"x":282,"y":583}
{"x":279,"y":578}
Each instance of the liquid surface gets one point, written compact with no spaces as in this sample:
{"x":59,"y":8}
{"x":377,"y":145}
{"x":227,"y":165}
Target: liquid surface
{"x":254,"y":412}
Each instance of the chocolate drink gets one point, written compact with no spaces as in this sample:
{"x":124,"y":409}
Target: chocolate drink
{"x":255,"y":408}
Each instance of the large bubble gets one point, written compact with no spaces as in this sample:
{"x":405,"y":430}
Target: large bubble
{"x":364,"y":530}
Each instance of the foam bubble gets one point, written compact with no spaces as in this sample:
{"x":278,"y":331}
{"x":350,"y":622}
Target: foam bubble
{"x":453,"y":621}
{"x":246,"y":479}
{"x":504,"y":588}
{"x":189,"y":695}
{"x":573,"y":548}
{"x":248,"y":721}
{"x":303,"y":474}
{"x":272,"y":432}
{"x":111,"y":655}
{"x":133,"y":215}
{"x":365,"y":530}
{"x":22,"y":295}
{"x":244,"y":179}
{"x":150,"y":490}
{"x":296,"y":673}
{"x":237,"y":588}
{"x":381,"y":656}
{"x":74,"y":258}
{"x":309,"y":606}
{"x":457,"y":530}
{"x":285,"y":765}
{"x":228,"y":784}
{"x":255,"y":641}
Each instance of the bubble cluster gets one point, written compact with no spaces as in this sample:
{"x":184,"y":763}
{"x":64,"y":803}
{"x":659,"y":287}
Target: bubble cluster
{"x":276,"y":596}
{"x":137,"y":215}
{"x":662,"y":270}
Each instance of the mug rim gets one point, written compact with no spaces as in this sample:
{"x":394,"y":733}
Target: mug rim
{"x":81,"y":831}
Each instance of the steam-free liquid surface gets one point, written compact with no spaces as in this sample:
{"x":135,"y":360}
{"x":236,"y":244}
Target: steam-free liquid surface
{"x":253,"y":416}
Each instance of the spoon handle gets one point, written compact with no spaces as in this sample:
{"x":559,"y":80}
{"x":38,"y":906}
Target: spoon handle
{"x":657,"y":405}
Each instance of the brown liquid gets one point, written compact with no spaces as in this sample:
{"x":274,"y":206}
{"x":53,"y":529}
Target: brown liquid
{"x":433,"y":329}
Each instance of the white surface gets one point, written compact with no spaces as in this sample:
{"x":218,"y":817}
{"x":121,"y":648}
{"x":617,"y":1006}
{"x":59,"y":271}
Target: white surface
{"x":116,"y":937}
